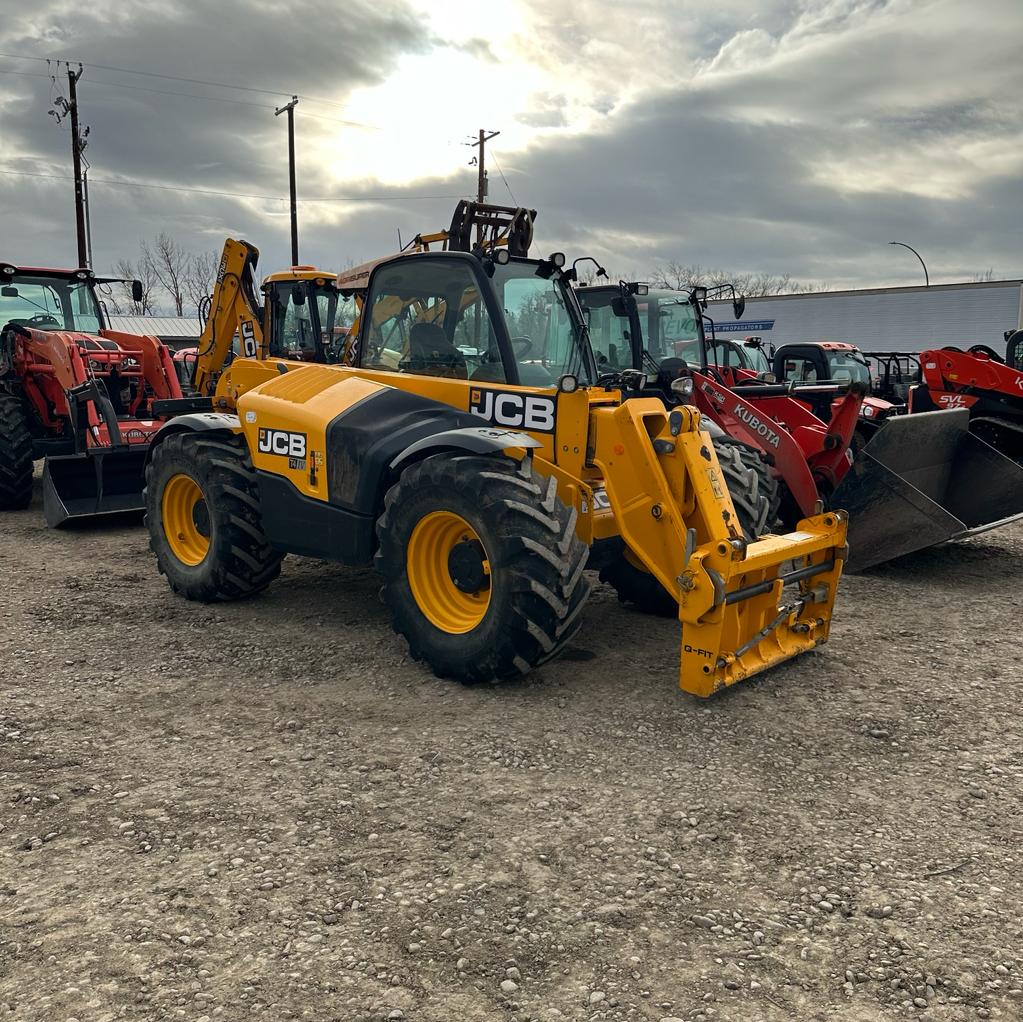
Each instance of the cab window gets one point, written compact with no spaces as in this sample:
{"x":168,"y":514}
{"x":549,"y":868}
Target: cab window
{"x":802,"y":370}
{"x":294,"y":327}
{"x":609,"y":332}
{"x":847,"y":368}
{"x":426,"y":316}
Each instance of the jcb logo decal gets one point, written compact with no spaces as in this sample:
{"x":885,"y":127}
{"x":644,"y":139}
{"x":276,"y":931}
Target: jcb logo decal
{"x":507,"y":408}
{"x":248,"y":339}
{"x":282,"y":442}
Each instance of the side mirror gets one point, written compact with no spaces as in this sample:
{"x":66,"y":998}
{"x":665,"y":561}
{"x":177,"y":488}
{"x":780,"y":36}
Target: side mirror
{"x":739,"y":306}
{"x":137,"y":294}
{"x":298,"y":294}
{"x":618,"y":307}
{"x":9,"y":291}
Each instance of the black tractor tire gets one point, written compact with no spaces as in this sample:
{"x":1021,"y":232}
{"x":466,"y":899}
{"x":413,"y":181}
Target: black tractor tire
{"x":535,"y":589}
{"x":15,"y":455}
{"x":239,"y":562}
{"x":750,"y":503}
{"x":756,"y":496}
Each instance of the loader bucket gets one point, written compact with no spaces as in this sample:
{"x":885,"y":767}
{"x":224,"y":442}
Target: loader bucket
{"x":922,"y":480}
{"x":101,"y":481}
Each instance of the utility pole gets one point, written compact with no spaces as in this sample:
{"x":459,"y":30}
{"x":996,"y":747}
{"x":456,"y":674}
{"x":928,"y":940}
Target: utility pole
{"x":481,"y":185}
{"x":88,"y":218}
{"x":290,"y":108}
{"x":77,"y":145}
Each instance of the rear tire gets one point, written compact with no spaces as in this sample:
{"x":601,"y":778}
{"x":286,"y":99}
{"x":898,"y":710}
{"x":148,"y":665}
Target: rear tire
{"x":15,"y":455}
{"x":482,"y":569}
{"x":756,"y":496}
{"x":204,"y":520}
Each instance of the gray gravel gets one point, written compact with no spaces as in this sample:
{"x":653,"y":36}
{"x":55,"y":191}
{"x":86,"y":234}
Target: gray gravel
{"x":266,"y":811}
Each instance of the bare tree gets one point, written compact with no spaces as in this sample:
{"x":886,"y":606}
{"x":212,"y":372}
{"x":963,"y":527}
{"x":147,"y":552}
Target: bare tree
{"x":981,"y":276}
{"x":679,"y":276}
{"x":121,"y":298}
{"x":170,"y":264}
{"x":199,"y":277}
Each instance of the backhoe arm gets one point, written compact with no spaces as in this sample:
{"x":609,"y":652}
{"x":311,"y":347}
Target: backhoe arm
{"x":234,"y":309}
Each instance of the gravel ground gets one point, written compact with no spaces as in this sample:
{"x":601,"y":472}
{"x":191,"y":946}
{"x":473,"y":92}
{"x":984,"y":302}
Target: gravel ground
{"x":266,"y":811}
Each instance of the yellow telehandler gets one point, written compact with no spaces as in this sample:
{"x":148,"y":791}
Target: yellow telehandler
{"x":467,"y":452}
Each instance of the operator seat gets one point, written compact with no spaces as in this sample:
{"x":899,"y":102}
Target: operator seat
{"x":430,"y":353}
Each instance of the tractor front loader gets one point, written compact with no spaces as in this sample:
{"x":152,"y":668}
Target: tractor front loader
{"x":932,"y":469}
{"x":75,"y":393}
{"x":913,"y":485}
{"x":468,"y":453}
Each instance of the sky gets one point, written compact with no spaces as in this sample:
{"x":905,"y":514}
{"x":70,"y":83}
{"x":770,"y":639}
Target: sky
{"x":768,"y":136}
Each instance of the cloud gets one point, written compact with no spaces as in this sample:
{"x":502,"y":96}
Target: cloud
{"x":775,"y":136}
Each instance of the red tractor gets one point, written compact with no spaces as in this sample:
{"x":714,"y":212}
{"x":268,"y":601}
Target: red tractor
{"x":74,"y":393}
{"x":980,"y":380}
{"x":920,"y":481}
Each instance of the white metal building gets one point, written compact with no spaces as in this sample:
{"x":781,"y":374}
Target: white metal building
{"x":175,"y":331}
{"x":879,"y":319}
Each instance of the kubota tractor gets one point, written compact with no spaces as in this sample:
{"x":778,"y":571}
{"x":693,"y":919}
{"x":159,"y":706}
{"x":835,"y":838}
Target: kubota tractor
{"x":921,"y":480}
{"x":75,"y":393}
{"x":470,"y":454}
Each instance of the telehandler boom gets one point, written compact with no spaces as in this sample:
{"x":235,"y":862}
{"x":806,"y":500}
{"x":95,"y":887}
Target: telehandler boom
{"x":469,"y":454}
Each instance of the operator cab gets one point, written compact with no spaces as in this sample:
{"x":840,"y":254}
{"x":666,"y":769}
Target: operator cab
{"x":470,"y":316}
{"x":308,"y":318}
{"x":48,"y":300}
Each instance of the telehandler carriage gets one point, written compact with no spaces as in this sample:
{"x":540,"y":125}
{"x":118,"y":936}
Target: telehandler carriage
{"x":468,"y":452}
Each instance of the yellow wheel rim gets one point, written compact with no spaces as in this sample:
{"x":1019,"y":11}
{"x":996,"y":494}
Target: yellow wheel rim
{"x":449,"y":572}
{"x":186,"y":520}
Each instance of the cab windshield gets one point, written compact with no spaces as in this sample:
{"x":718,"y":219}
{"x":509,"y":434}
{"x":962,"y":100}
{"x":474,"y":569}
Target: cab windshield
{"x":848,"y":367}
{"x":311,"y":321}
{"x":427,"y":316}
{"x":44,"y":302}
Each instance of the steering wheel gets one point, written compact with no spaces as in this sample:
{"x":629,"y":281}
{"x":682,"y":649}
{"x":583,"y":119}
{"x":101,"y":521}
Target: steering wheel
{"x":522,"y":346}
{"x":983,"y":349}
{"x":43,"y":319}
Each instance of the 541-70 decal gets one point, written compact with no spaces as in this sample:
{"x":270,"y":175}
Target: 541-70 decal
{"x":531,"y":412}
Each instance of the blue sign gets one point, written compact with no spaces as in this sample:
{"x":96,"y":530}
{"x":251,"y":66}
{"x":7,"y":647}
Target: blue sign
{"x":744,"y":326}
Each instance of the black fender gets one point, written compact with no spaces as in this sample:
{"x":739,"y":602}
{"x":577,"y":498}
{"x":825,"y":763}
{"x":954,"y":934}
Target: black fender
{"x":471,"y":439}
{"x":195,"y":422}
{"x":369,"y":443}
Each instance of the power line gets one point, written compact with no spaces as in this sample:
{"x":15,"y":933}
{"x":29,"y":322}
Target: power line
{"x":24,"y":74}
{"x":231,"y":195}
{"x":179,"y":78}
{"x":503,"y":178}
{"x":194,"y":95}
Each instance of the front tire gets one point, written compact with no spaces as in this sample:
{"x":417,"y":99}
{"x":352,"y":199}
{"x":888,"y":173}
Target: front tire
{"x":756,"y":498}
{"x":482,"y":569}
{"x":15,"y":455}
{"x":204,"y":521}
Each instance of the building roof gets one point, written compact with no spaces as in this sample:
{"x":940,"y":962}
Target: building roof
{"x":159,"y":326}
{"x":913,"y":289}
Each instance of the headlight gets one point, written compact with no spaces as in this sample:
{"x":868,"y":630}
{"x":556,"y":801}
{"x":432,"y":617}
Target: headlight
{"x":558,"y":258}
{"x":568,"y":384}
{"x":501,"y":256}
{"x":867,"y":411}
{"x":682,"y":386}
